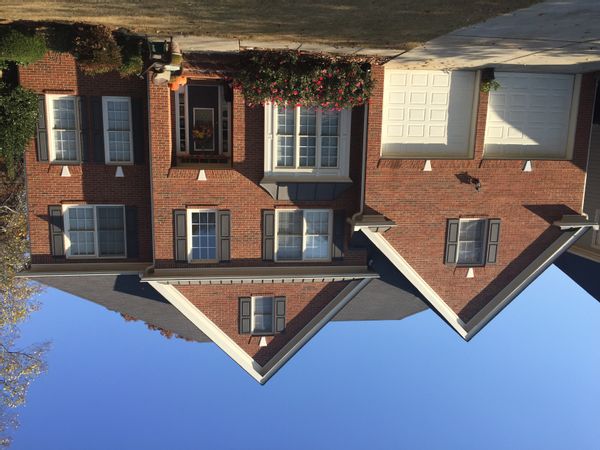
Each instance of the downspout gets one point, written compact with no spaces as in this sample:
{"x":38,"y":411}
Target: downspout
{"x":364,"y":167}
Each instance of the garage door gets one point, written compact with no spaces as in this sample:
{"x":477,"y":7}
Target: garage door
{"x":427,"y":114}
{"x":529,"y":116}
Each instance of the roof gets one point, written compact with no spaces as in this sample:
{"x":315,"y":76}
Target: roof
{"x":126,"y":295}
{"x":583,"y":271}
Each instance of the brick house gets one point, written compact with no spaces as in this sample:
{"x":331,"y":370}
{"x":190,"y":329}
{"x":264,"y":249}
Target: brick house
{"x":261,"y":224}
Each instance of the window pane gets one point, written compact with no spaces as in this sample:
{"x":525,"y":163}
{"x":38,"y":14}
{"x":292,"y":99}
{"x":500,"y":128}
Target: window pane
{"x":317,"y":235}
{"x":471,"y":241}
{"x":285,"y":120}
{"x":308,"y":151}
{"x":81,"y":231}
{"x":263,"y":314}
{"x":308,"y":122}
{"x":204,"y":235}
{"x":289,"y":235}
{"x":285,"y":151}
{"x":111,"y":231}
{"x":329,"y":151}
{"x":286,"y":142}
{"x":329,"y":123}
{"x":64,"y":129}
{"x":119,"y":130}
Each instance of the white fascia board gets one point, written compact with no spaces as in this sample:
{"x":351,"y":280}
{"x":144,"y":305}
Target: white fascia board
{"x":308,"y":336}
{"x":213,"y":332}
{"x":411,"y":274}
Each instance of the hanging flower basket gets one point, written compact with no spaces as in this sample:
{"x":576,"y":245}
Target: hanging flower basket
{"x":303,"y":79}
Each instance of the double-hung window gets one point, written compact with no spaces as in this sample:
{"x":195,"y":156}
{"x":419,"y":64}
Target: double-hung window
{"x":303,"y":235}
{"x":305,"y":140}
{"x":95,"y":231}
{"x":262,"y":315}
{"x":118,"y":136}
{"x":63,"y":125}
{"x":471,"y":241}
{"x":202,"y":235}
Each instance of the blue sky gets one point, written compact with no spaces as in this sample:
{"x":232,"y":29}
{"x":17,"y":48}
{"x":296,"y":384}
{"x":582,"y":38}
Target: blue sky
{"x":529,"y":380}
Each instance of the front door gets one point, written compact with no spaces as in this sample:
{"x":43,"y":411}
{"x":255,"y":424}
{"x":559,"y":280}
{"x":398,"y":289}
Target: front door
{"x":203,"y":114}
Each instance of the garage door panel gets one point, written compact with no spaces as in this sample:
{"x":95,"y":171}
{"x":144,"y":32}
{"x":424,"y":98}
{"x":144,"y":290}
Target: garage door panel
{"x":529,"y":116}
{"x":427,"y":114}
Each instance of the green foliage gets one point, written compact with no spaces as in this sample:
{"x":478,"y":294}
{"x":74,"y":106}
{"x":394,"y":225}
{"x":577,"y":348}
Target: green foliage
{"x":18,"y":117}
{"x":131,"y":54}
{"x":21,"y":48}
{"x":489,"y":85}
{"x":301,"y":79}
{"x":96,"y":49}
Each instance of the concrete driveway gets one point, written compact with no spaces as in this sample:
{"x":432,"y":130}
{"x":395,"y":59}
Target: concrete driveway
{"x":559,"y":36}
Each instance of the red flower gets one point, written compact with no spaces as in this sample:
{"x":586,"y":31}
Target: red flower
{"x":295,"y":92}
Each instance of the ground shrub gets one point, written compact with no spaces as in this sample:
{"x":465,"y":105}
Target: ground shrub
{"x":18,"y":118}
{"x":20,"y":47}
{"x":96,"y":49}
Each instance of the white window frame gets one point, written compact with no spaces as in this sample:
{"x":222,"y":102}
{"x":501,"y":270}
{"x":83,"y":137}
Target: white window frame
{"x":303,"y":259}
{"x":223,"y":107}
{"x":270,"y":161}
{"x":96,"y":255}
{"x":105,"y":101}
{"x":595,"y":242}
{"x":253,"y":332}
{"x":188,"y":233}
{"x":484,"y":242}
{"x":49,"y":99}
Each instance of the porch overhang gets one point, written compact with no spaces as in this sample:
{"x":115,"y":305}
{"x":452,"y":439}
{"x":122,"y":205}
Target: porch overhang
{"x":308,"y":189}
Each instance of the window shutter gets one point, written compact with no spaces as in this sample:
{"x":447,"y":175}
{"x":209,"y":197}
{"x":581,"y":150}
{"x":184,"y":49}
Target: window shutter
{"x":339,"y":228}
{"x":56,"y":230}
{"x":493,"y":241}
{"x":245,"y":320}
{"x":132,"y":231}
{"x":42,"y":132}
{"x":268,"y":235}
{"x":137,"y":126}
{"x":84,"y":137}
{"x":279,"y":310}
{"x":224,"y":235}
{"x":179,"y":231}
{"x":452,"y":242}
{"x":98,"y":129}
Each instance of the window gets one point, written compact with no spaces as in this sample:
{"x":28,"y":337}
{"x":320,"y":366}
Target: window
{"x":118,"y":139}
{"x":202,"y":236}
{"x":95,"y":231}
{"x":303,"y":235}
{"x":63,"y":125}
{"x":471,"y":237}
{"x":595,"y":233}
{"x":306,"y":140}
{"x":262,"y":315}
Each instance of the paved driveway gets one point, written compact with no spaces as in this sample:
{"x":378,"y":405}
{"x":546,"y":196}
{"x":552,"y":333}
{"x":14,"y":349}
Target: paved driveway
{"x":561,"y":36}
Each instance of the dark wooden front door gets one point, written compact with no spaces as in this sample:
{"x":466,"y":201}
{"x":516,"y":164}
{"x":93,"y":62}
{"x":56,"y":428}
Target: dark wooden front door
{"x":204,"y":117}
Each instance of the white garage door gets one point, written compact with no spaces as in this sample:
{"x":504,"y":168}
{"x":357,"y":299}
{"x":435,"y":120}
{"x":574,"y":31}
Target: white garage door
{"x":529,"y":116}
{"x":427,"y":114}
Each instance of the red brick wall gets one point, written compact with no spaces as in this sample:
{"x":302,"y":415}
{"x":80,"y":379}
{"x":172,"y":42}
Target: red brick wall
{"x":89,"y":182}
{"x":220,"y":305}
{"x":421,"y":202}
{"x":236,"y":189}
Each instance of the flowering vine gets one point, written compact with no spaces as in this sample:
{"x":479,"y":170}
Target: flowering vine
{"x":303,"y":79}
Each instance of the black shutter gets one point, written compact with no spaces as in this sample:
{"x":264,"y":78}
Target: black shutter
{"x":137,"y":119}
{"x":179,"y":234}
{"x":452,"y":242}
{"x":339,"y":228}
{"x":268,"y":235}
{"x":245,"y":318}
{"x":133,"y":250}
{"x":84,"y":136}
{"x":224,"y":235}
{"x":97,"y":129}
{"x":493,"y":241}
{"x":55,"y":219}
{"x":42,"y":132}
{"x":279,"y":313}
